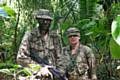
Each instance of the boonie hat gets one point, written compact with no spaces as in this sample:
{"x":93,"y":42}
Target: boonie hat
{"x":43,"y":14}
{"x":73,"y":31}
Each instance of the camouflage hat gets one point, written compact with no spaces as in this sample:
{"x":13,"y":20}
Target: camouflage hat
{"x":43,"y":14}
{"x":73,"y":31}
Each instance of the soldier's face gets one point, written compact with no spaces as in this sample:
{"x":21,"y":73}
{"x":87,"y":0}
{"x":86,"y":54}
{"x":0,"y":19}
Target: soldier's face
{"x":44,"y":23}
{"x":74,"y":39}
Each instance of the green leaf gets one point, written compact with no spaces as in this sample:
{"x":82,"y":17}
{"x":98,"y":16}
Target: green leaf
{"x":10,"y":11}
{"x":26,"y":71}
{"x":116,"y":30}
{"x":114,"y":49}
{"x":35,"y":67}
{"x":6,"y":71}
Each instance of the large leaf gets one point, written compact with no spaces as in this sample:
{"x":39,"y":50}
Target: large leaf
{"x":114,"y":49}
{"x":116,"y":29}
{"x":9,"y":11}
{"x":6,"y":71}
{"x":3,"y":13}
{"x":87,"y":8}
{"x":26,"y":71}
{"x":35,"y":67}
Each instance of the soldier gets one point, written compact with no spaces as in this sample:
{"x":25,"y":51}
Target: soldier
{"x":40,"y":42}
{"x":78,"y":60}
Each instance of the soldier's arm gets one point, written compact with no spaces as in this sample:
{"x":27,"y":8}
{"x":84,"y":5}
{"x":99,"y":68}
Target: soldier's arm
{"x":23,"y":53}
{"x":92,"y":64}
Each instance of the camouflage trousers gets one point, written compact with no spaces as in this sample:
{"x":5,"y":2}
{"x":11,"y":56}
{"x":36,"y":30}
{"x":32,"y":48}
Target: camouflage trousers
{"x":76,"y":76}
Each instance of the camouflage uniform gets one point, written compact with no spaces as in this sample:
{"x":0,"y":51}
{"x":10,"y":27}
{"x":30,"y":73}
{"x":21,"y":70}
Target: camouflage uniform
{"x":33,"y":42}
{"x":80,"y":66}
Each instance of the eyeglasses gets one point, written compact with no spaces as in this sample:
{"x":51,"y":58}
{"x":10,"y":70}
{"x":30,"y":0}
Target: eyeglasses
{"x":73,"y":36}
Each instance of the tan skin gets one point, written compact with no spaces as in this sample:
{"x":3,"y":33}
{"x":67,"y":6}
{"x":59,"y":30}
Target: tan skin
{"x":74,"y":42}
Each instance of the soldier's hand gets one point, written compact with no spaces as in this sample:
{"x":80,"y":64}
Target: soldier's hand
{"x":44,"y":71}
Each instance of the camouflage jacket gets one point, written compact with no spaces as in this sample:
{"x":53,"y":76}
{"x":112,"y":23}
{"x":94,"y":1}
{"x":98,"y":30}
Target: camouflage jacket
{"x":33,"y":42}
{"x":80,"y":68}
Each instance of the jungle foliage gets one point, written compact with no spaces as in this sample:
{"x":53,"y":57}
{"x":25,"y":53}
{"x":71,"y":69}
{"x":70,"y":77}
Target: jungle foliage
{"x":98,"y":21}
